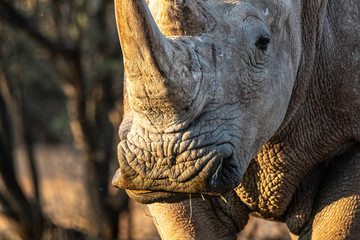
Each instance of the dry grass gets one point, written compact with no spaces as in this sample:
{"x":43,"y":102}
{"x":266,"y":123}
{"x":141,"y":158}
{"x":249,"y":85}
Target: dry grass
{"x":65,"y":201}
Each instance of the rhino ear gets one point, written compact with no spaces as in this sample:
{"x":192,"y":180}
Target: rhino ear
{"x":181,"y":17}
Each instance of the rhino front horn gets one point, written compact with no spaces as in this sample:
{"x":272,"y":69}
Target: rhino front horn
{"x":162,"y":73}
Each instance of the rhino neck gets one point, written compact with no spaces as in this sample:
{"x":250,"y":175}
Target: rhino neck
{"x":323,"y":120}
{"x":312,"y":15}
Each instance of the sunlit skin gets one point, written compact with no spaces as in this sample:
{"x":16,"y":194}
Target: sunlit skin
{"x":244,"y":107}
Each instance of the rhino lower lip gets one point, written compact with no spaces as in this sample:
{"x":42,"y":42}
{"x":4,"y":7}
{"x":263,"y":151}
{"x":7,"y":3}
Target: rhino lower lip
{"x":148,"y":197}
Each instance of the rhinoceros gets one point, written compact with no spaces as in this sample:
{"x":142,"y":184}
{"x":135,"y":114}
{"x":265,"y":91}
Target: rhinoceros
{"x":239,"y":107}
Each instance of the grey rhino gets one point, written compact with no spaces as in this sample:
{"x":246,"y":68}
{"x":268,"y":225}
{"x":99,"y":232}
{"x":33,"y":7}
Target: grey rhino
{"x":238,"y":107}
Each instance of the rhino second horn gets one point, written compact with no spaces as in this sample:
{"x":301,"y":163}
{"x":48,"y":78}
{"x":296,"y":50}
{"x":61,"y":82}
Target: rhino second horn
{"x":181,"y":17}
{"x":158,"y":69}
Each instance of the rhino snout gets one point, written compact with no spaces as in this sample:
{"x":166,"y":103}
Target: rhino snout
{"x":207,"y":168}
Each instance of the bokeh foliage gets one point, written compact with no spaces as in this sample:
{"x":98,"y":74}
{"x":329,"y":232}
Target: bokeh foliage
{"x":31,"y":75}
{"x":34,"y":55}
{"x":61,"y":78}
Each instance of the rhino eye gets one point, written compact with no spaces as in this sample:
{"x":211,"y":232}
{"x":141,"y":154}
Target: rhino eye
{"x":263,"y":42}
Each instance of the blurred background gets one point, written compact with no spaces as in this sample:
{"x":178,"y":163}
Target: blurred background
{"x":61,"y":76}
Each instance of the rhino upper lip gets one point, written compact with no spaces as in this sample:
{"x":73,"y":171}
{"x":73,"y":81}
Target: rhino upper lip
{"x":190,"y":162}
{"x":218,"y":170}
{"x":191,"y":144}
{"x":213,"y":155}
{"x":149,"y":196}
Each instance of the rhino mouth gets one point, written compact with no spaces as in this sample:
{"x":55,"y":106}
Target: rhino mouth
{"x":148,"y":197}
{"x":195,"y":166}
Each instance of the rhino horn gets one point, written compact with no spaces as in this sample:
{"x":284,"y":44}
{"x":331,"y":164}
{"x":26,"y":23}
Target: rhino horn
{"x":181,"y":17}
{"x":157,"y":68}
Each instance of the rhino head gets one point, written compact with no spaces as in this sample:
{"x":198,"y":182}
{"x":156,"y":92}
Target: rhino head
{"x":208,"y":83}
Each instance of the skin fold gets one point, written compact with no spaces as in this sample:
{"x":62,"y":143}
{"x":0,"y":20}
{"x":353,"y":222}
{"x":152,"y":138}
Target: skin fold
{"x":242,"y":107}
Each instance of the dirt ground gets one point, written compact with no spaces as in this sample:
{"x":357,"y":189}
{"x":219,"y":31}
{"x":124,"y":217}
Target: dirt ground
{"x":64,"y":200}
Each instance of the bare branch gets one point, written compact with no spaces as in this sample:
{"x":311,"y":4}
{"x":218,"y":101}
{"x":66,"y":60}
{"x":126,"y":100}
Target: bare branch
{"x":8,"y":209}
{"x":7,"y":171}
{"x":17,"y":103}
{"x":19,"y":207}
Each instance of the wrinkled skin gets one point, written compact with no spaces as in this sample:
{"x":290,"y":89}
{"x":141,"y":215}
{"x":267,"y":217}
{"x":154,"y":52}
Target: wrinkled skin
{"x":256,"y":102}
